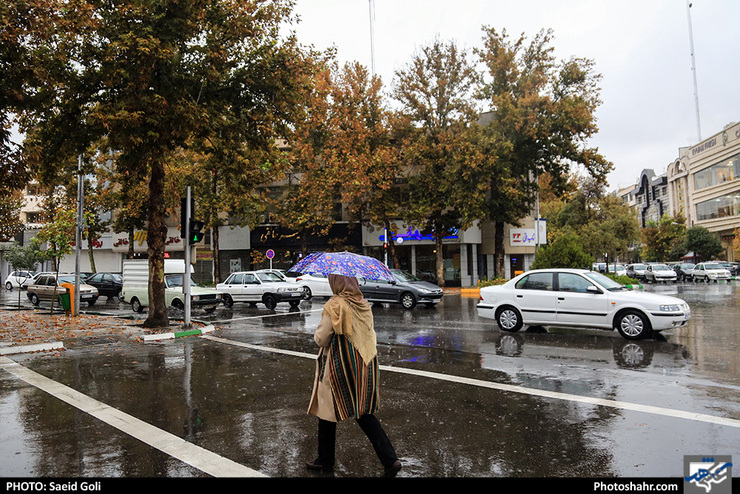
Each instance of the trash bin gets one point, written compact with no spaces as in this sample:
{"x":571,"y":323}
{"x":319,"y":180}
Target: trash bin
{"x":65,"y":301}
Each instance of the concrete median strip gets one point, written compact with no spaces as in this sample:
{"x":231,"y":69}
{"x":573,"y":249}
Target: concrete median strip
{"x":178,"y":334}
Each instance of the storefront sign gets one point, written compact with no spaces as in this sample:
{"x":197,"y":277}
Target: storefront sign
{"x":172,"y":242}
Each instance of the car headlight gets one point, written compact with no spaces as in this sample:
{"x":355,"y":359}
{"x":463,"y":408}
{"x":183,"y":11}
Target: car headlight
{"x":670,"y":308}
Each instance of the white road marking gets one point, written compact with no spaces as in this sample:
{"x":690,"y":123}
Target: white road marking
{"x":189,"y":453}
{"x":624,"y":405}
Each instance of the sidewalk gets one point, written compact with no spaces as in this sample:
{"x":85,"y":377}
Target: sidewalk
{"x":23,"y":330}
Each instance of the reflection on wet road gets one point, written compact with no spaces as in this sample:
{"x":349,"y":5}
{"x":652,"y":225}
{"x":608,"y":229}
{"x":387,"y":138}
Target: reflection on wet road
{"x":460,"y":398}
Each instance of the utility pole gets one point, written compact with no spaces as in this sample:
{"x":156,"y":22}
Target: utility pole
{"x":693,"y":70}
{"x":372,"y":37}
{"x":186,"y":275}
{"x":78,"y":235}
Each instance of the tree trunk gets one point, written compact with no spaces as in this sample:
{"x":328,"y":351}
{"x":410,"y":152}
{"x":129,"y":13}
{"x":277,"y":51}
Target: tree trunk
{"x":90,"y":254}
{"x":438,"y":236}
{"x":156,"y":236}
{"x":216,"y":255}
{"x":499,"y":266}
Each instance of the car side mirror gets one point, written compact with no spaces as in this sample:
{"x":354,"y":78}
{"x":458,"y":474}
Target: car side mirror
{"x":593,"y":289}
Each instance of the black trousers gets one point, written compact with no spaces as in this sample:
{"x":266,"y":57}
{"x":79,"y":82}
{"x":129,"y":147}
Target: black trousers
{"x":372,"y":429}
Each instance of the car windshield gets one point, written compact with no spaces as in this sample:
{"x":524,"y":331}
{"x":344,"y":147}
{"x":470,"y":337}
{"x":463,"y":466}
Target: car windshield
{"x":661,"y":267}
{"x":403,"y":275}
{"x":175,"y":280}
{"x":639,"y":266}
{"x":712,"y":266}
{"x":605,"y":281}
{"x":268,"y":277}
{"x":66,"y":279}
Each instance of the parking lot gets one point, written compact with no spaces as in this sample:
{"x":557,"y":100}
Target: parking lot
{"x":460,"y":397}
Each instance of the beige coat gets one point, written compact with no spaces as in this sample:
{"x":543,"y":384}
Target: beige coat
{"x":322,"y":400}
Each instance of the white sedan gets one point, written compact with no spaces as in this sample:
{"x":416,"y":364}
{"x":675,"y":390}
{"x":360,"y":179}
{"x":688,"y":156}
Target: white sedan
{"x":656,"y":273}
{"x":579,"y":298}
{"x":710,"y":271}
{"x":314,"y":285}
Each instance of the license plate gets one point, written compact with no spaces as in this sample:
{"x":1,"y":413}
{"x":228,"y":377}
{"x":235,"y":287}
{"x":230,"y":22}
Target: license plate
{"x":85,"y":296}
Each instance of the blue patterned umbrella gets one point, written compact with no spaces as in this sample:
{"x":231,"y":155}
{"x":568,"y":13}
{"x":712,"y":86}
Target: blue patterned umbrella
{"x":343,"y":263}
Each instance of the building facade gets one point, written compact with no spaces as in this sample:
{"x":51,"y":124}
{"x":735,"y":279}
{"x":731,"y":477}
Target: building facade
{"x":704,"y":185}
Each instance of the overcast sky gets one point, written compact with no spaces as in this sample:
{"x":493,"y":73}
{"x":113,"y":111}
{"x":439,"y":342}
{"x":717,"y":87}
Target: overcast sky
{"x":641,"y":49}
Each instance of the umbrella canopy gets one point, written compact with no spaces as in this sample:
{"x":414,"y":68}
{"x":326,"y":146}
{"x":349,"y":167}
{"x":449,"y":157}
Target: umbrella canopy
{"x":345,"y":264}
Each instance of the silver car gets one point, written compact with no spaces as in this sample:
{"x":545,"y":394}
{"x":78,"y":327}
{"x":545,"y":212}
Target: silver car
{"x":659,"y":273}
{"x":47,"y":287}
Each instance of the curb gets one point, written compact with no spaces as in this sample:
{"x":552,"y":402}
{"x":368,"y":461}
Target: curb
{"x":39,"y":347}
{"x":177,"y":334}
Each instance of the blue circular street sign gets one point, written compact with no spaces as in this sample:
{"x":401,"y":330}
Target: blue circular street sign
{"x":270,"y":254}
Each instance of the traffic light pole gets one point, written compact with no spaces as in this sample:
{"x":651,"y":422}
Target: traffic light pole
{"x":186,"y":275}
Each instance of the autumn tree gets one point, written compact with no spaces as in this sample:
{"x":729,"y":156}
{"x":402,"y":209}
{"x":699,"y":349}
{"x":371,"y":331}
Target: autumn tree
{"x":150,"y":75}
{"x":435,"y":95}
{"x":542,"y":114}
{"x":601,"y":221}
{"x":662,"y":239}
{"x":310,"y":192}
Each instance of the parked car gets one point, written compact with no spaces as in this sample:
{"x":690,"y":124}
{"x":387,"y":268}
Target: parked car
{"x":636,"y":271}
{"x":19,"y":279}
{"x":657,"y":273}
{"x":684,"y":270}
{"x":579,"y":298}
{"x":618,"y":270}
{"x":314,"y":285}
{"x":407,"y":290}
{"x":259,"y":287}
{"x":47,"y":286}
{"x":710,"y":271}
{"x":732,"y":267}
{"x":108,"y":284}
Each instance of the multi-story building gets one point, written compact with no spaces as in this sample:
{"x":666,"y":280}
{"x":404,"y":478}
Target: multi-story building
{"x":704,"y":184}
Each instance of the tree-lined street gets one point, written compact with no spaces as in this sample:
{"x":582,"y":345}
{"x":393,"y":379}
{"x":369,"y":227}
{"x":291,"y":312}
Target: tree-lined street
{"x":460,"y":398}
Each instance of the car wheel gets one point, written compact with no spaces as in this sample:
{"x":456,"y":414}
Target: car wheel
{"x":228,"y":301}
{"x":632,"y":325}
{"x":35,"y":299}
{"x":307,"y":293}
{"x":509,"y":319}
{"x":269,"y":301}
{"x":178,"y":304}
{"x":9,"y":285}
{"x":408,"y":301}
{"x":136,"y":305}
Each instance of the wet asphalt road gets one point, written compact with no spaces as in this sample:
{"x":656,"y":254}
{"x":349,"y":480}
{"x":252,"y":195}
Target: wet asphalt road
{"x":460,"y":398}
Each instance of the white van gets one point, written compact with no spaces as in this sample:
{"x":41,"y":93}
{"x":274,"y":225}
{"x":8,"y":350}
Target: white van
{"x":136,"y":286}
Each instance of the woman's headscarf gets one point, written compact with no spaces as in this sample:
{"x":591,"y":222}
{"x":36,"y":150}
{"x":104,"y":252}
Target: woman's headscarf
{"x":351,"y":315}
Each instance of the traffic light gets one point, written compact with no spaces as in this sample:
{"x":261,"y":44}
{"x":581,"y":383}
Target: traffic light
{"x":183,"y":214}
{"x":196,"y":234}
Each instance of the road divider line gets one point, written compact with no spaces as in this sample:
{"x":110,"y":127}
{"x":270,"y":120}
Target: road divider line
{"x":195,"y":456}
{"x":623,"y":405}
{"x":262,"y":316}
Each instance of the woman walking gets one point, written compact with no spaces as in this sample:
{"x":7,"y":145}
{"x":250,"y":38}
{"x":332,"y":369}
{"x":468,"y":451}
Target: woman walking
{"x":346,"y":379}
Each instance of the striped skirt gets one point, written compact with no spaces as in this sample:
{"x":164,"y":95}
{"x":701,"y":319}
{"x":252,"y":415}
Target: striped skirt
{"x":354,"y":384}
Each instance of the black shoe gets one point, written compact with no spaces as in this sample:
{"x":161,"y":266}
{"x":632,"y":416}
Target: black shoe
{"x":392,"y":470}
{"x":312,"y":465}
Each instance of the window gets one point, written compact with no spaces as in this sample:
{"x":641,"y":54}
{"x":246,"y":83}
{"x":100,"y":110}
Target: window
{"x":570,"y":282}
{"x":719,"y":207}
{"x":536,"y":281}
{"x":719,"y":173}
